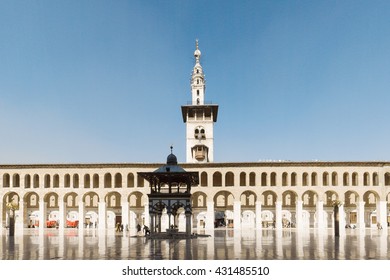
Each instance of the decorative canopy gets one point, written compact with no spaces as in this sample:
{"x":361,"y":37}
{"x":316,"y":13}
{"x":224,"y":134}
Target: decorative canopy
{"x":170,"y":173}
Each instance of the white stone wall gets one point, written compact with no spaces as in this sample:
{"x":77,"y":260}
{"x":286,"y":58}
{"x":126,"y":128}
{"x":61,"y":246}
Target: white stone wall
{"x":379,"y":207}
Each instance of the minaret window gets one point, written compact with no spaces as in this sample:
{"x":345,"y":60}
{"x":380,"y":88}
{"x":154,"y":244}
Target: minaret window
{"x":200,"y":133}
{"x":197,"y":81}
{"x":197,"y":92}
{"x":197,"y":71}
{"x":197,"y":101}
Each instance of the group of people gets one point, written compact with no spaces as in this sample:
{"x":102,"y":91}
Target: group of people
{"x":146,"y":229}
{"x":119,"y":227}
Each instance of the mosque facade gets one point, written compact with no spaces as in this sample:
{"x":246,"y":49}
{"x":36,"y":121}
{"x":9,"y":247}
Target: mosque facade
{"x":237,"y":195}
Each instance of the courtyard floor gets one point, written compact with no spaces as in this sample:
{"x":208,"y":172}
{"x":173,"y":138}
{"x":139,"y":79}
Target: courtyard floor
{"x":223,"y":244}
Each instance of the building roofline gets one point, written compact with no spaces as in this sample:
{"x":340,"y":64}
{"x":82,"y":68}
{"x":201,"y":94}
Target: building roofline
{"x":199,"y":165}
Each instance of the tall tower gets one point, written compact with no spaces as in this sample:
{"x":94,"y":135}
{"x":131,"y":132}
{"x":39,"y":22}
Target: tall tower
{"x":199,"y":118}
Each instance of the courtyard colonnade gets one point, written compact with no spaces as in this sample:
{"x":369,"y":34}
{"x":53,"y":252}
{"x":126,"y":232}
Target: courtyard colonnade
{"x":235,"y":195}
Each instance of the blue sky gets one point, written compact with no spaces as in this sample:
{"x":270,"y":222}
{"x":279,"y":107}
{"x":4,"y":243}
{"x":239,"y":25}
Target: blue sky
{"x":103,"y":81}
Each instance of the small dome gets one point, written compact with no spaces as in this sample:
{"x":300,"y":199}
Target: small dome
{"x":171,"y":160}
{"x":197,"y":53}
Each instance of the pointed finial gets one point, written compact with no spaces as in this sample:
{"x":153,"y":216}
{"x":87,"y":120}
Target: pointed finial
{"x":197,"y":52}
{"x":171,"y":149}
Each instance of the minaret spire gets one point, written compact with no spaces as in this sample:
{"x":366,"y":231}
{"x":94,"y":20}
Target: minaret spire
{"x":199,"y":117}
{"x":198,"y":84}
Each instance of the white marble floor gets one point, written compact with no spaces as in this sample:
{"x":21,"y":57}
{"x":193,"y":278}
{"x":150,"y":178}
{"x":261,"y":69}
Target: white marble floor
{"x":224,"y":244}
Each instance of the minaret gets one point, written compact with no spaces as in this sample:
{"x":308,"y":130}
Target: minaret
{"x":199,"y":118}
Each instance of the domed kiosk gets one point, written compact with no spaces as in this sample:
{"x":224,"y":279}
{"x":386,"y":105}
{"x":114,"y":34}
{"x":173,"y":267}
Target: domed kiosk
{"x":170,"y":191}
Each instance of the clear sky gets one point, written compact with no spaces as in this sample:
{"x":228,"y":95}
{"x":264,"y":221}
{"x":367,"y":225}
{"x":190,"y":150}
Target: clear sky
{"x":103,"y":81}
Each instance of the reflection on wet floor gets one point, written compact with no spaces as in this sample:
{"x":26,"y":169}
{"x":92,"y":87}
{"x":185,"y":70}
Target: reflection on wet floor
{"x":224,"y":244}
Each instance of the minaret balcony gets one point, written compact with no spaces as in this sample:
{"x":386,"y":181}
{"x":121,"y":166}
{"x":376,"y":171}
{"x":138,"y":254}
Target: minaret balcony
{"x":200,"y":155}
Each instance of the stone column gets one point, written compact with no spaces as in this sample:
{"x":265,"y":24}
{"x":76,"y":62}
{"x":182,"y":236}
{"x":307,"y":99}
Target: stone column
{"x":320,"y":214}
{"x":278,"y":215}
{"x":188,"y":223}
{"x":381,"y":212}
{"x":147,"y":217}
{"x":125,"y":215}
{"x":336,"y":215}
{"x":20,"y":216}
{"x":81,"y":218}
{"x":210,"y":216}
{"x":299,"y":215}
{"x":360,"y":216}
{"x":102,"y":216}
{"x":62,"y":214}
{"x":152,"y":223}
{"x":342,"y":219}
{"x":237,"y":214}
{"x":42,"y":215}
{"x":258,"y":224}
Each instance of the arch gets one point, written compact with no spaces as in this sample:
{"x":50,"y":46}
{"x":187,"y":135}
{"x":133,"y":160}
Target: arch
{"x":252,"y":179}
{"x":76,"y":181}
{"x":387,"y":179}
{"x":335,"y":179}
{"x":305,"y":179}
{"x":130,"y":180}
{"x":199,"y":200}
{"x":203,"y":179}
{"x":71,"y":200}
{"x":51,"y":200}
{"x":223,"y":199}
{"x":346,"y":179}
{"x":366,"y":179}
{"x":141,"y":181}
{"x":263,"y":179}
{"x":355,"y":179}
{"x":248,"y":199}
{"x":27,"y":181}
{"x":330,"y":197}
{"x":370,"y":198}
{"x":56,"y":181}
{"x":314,"y":179}
{"x":289,"y":198}
{"x":284,"y":179}
{"x":67,"y":181}
{"x":217,"y":179}
{"x":242,"y":179}
{"x":268,"y":198}
{"x":91,"y":199}
{"x":95,"y":181}
{"x":135,"y":199}
{"x":293,"y":179}
{"x":32,"y":200}
{"x":87,"y":181}
{"x":107,"y":180}
{"x":118,"y":180}
{"x":229,"y":179}
{"x":46,"y":181}
{"x":309,"y":198}
{"x":325,"y":179}
{"x":6,"y":180}
{"x":248,"y":219}
{"x":375,"y":179}
{"x":351,"y":198}
{"x":113,"y":199}
{"x":273,"y":179}
{"x":36,"y":181}
{"x":16,"y":180}
{"x":267,"y":218}
{"x":11,"y":197}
